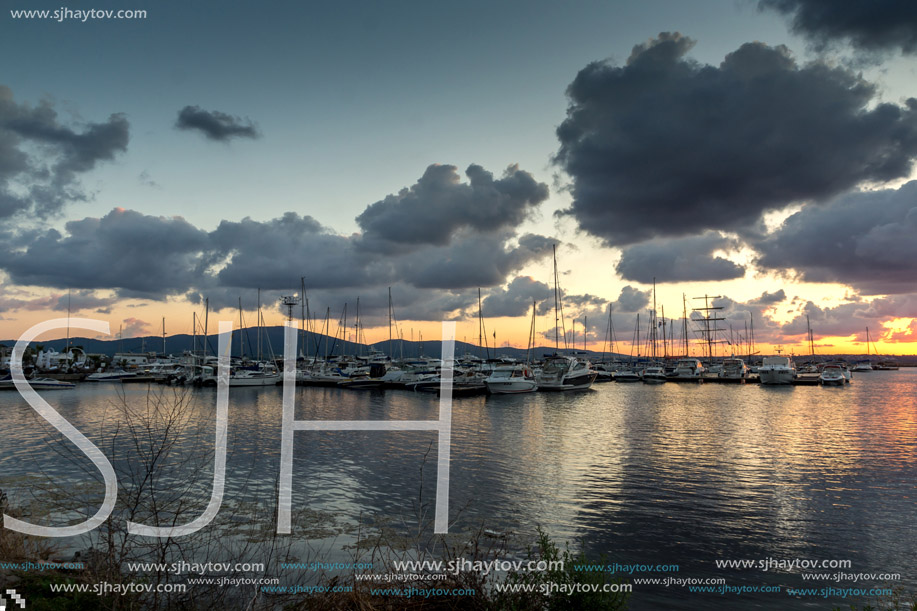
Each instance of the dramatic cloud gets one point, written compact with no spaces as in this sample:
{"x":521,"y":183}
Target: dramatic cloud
{"x":769,"y":299}
{"x":215,"y":125}
{"x":439,"y":204}
{"x":472,"y":260}
{"x":869,"y":25}
{"x":687,"y":259}
{"x":40,"y":159}
{"x":865,"y":240}
{"x":516,"y":299}
{"x":140,"y":256}
{"x":123,"y":250}
{"x":84,"y":300}
{"x":851,"y":319}
{"x":631,"y":300}
{"x":666,"y":147}
{"x":275,"y":254}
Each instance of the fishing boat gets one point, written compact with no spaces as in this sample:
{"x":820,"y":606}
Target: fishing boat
{"x":511,"y":379}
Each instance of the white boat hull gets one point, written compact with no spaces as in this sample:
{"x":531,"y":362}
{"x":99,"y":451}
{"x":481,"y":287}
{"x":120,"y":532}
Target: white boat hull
{"x":776,"y":377}
{"x":255,"y":381}
{"x":509,"y":387}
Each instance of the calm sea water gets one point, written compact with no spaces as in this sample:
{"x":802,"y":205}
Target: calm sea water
{"x":671,"y":474}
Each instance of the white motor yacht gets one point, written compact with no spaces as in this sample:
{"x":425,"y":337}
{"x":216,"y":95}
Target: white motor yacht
{"x":565,"y":373}
{"x":777,"y":370}
{"x":511,"y":379}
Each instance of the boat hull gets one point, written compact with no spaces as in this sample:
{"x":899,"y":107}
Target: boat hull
{"x":510,"y":387}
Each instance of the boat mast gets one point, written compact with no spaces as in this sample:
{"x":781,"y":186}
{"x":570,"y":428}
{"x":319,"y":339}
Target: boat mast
{"x":68,"y":325}
{"x":241,"y":332}
{"x":556,"y":321}
{"x":481,"y":338}
{"x":684,"y":305}
{"x":390,"y":351}
{"x":302,"y":315}
{"x":653,"y":319}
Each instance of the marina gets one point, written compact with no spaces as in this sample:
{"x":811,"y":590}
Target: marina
{"x":814,"y":472}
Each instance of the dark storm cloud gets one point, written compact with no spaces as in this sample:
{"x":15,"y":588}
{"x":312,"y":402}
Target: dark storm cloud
{"x":40,"y":158}
{"x":275,"y":254}
{"x":688,"y":259}
{"x":516,"y":299}
{"x":83,"y":300}
{"x":865,"y":240}
{"x":767,"y":299}
{"x":122,"y":250}
{"x":666,"y":147}
{"x":870,"y":25}
{"x":472,"y":260}
{"x":215,"y":125}
{"x":139,"y":256}
{"x":631,"y":300}
{"x":439,"y":204}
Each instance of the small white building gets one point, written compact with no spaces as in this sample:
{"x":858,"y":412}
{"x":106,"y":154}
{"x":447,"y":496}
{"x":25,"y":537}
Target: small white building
{"x":130,"y":359}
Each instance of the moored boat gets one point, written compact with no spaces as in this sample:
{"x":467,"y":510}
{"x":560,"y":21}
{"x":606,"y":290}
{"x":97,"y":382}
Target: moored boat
{"x":653,"y":374}
{"x":777,"y":370}
{"x":562,"y":372}
{"x":832,"y":375}
{"x":511,"y":379}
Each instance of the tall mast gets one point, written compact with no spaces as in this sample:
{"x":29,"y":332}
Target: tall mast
{"x":653,"y":320}
{"x":163,"y":335}
{"x":480,"y":327}
{"x":241,"y":332}
{"x":556,"y":321}
{"x":391,"y":353}
{"x":302,"y":314}
{"x":684,"y":305}
{"x":356,"y":327}
{"x":206,"y":323}
{"x":68,"y":324}
{"x":709,"y":315}
{"x":259,"y":325}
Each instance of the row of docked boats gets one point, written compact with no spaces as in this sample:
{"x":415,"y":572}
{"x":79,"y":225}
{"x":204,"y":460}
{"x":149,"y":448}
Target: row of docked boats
{"x":471,"y":374}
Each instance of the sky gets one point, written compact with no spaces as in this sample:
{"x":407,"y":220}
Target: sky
{"x":760,"y":152}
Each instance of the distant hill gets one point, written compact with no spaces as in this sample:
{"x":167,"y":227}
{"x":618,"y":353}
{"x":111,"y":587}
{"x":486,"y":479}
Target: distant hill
{"x":317,"y":345}
{"x":272,"y":343}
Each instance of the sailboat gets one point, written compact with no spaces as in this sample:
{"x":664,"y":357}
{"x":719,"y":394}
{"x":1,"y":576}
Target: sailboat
{"x":865,"y":364}
{"x":563,"y":372}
